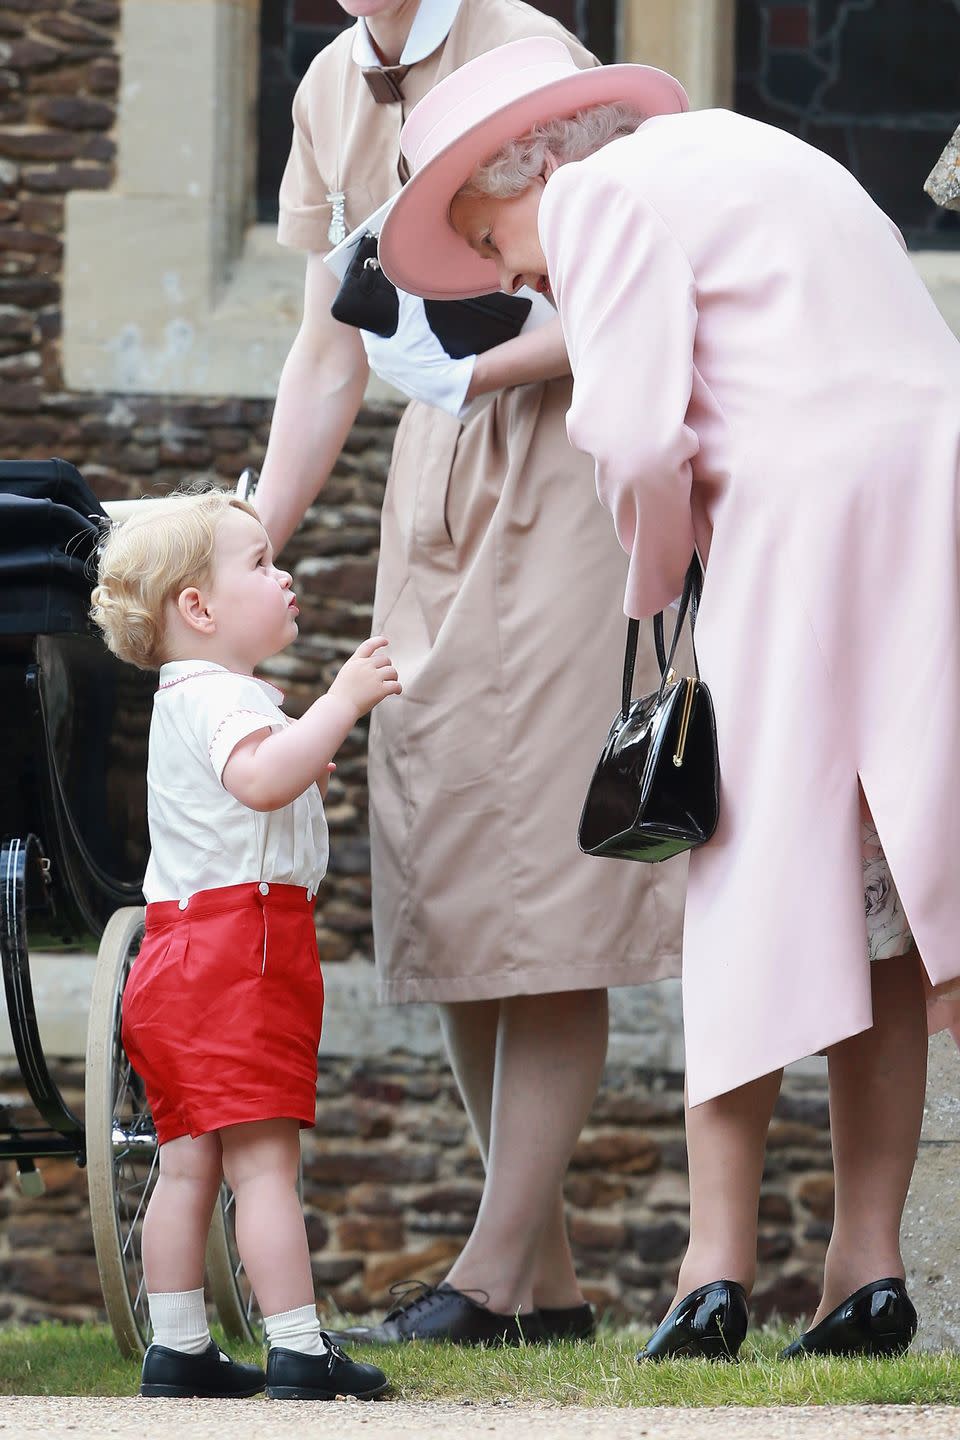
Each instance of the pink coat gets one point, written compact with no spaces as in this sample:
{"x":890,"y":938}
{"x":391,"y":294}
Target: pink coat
{"x":758,"y":368}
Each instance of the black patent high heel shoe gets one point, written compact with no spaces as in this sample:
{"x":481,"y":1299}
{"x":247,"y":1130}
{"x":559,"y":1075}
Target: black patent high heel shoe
{"x":708,"y":1324}
{"x":877,"y":1319}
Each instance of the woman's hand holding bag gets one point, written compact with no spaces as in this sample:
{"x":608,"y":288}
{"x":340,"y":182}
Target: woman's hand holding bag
{"x":656,"y":788}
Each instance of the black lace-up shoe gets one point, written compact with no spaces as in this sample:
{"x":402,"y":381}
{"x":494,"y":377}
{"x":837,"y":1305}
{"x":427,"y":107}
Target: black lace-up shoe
{"x":292,"y":1376}
{"x":439,"y":1312}
{"x":708,"y":1324}
{"x":209,"y":1376}
{"x":577,"y":1322}
{"x":877,"y":1319}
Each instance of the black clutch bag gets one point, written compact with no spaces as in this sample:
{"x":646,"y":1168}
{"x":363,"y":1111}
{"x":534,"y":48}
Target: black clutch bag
{"x":656,"y":789}
{"x":368,"y":300}
{"x":366,"y":297}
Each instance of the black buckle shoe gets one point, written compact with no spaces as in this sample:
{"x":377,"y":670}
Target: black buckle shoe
{"x":576,"y":1322}
{"x":709,"y":1324}
{"x":211,"y":1375}
{"x":440,"y":1312}
{"x":877,"y":1319}
{"x":293,"y":1376}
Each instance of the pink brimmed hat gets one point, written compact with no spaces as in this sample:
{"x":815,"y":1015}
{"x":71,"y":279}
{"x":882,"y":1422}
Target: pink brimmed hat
{"x":466,"y":119}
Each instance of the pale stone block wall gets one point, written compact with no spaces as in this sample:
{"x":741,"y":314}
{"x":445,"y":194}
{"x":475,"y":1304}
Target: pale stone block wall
{"x":644,"y":1022}
{"x":152,"y":266}
{"x":169,"y":289}
{"x":940,"y":272}
{"x":931,"y":1226}
{"x":692,"y":39}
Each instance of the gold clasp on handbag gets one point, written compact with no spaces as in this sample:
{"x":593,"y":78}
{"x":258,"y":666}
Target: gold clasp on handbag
{"x":684,"y":722}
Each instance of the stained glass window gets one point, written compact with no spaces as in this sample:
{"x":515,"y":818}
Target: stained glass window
{"x":874,"y":83}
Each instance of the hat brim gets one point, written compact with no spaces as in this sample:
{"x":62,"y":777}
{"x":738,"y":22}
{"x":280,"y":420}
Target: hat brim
{"x":419,"y":249}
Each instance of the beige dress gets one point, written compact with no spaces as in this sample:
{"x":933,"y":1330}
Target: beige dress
{"x":499,"y":587}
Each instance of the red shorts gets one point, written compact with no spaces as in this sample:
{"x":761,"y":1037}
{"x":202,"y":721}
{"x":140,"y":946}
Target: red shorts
{"x":223,"y":1009}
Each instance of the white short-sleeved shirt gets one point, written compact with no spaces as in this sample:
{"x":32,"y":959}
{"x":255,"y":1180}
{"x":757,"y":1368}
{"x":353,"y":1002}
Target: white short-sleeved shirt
{"x":201,"y":837}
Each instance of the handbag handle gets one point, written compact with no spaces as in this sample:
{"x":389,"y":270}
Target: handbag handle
{"x":690,"y":599}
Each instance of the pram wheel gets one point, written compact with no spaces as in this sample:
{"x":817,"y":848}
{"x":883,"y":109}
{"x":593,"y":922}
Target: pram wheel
{"x":122,"y":1152}
{"x":123,"y":1162}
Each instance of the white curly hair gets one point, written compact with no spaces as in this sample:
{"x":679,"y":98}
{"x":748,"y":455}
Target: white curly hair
{"x":509,"y":172}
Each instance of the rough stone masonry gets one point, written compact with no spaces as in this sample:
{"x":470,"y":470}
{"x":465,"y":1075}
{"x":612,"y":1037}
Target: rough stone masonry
{"x":943,"y":182}
{"x":931,"y":1223}
{"x":392,"y":1179}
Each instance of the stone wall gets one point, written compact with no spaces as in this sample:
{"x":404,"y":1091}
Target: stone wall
{"x":59,"y":78}
{"x":392,"y":1183}
{"x":931,"y":1221}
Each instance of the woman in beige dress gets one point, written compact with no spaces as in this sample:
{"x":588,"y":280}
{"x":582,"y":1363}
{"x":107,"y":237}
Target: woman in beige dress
{"x":497,"y":587}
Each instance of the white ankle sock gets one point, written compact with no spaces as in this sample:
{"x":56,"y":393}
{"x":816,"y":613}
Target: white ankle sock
{"x":295,"y":1330}
{"x":179,"y":1319}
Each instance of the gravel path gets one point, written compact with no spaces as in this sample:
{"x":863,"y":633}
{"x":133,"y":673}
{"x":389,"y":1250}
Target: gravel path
{"x":74,"y":1419}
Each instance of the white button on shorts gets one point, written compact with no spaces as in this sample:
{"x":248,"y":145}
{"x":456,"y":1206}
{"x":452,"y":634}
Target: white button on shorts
{"x":264,"y":888}
{"x":182,"y":904}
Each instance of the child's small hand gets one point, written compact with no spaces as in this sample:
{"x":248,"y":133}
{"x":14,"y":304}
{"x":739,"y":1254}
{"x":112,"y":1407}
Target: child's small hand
{"x":324,"y":782}
{"x":368,"y":676}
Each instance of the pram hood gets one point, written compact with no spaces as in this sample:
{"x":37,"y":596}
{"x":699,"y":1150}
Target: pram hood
{"x":50,"y":522}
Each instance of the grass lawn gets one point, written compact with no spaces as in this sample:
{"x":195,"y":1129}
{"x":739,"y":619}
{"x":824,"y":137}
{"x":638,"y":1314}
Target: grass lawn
{"x":83,"y":1360}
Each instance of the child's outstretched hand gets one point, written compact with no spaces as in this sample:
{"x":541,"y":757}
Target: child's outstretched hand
{"x":368,"y":676}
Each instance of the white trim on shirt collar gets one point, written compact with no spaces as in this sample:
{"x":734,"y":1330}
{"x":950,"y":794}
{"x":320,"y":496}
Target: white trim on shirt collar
{"x":175,"y":671}
{"x":431,"y":26}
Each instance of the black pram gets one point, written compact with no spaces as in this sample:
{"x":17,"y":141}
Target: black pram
{"x":74,"y":723}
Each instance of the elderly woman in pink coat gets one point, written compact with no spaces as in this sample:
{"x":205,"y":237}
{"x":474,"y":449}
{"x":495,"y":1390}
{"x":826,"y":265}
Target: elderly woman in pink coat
{"x":760,"y":374}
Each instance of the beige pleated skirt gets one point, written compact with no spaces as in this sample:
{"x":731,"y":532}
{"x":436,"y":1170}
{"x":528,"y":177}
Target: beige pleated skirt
{"x":500,"y":588}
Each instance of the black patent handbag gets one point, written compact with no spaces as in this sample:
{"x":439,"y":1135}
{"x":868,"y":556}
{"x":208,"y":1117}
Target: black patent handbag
{"x":366,"y":298}
{"x":655,"y":791}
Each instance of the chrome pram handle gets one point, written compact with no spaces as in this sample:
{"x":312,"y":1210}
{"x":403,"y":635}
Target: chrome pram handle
{"x":247,"y":484}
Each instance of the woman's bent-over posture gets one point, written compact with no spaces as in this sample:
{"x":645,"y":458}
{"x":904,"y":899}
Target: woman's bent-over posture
{"x":758,"y":371}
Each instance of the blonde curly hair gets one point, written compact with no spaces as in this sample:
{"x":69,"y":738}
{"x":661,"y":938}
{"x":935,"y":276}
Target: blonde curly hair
{"x":146,"y":560}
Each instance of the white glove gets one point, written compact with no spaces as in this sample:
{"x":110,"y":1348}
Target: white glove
{"x":415,"y":362}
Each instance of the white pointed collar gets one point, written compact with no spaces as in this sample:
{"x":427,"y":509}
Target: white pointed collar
{"x":174,"y":672}
{"x":431,"y":26}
